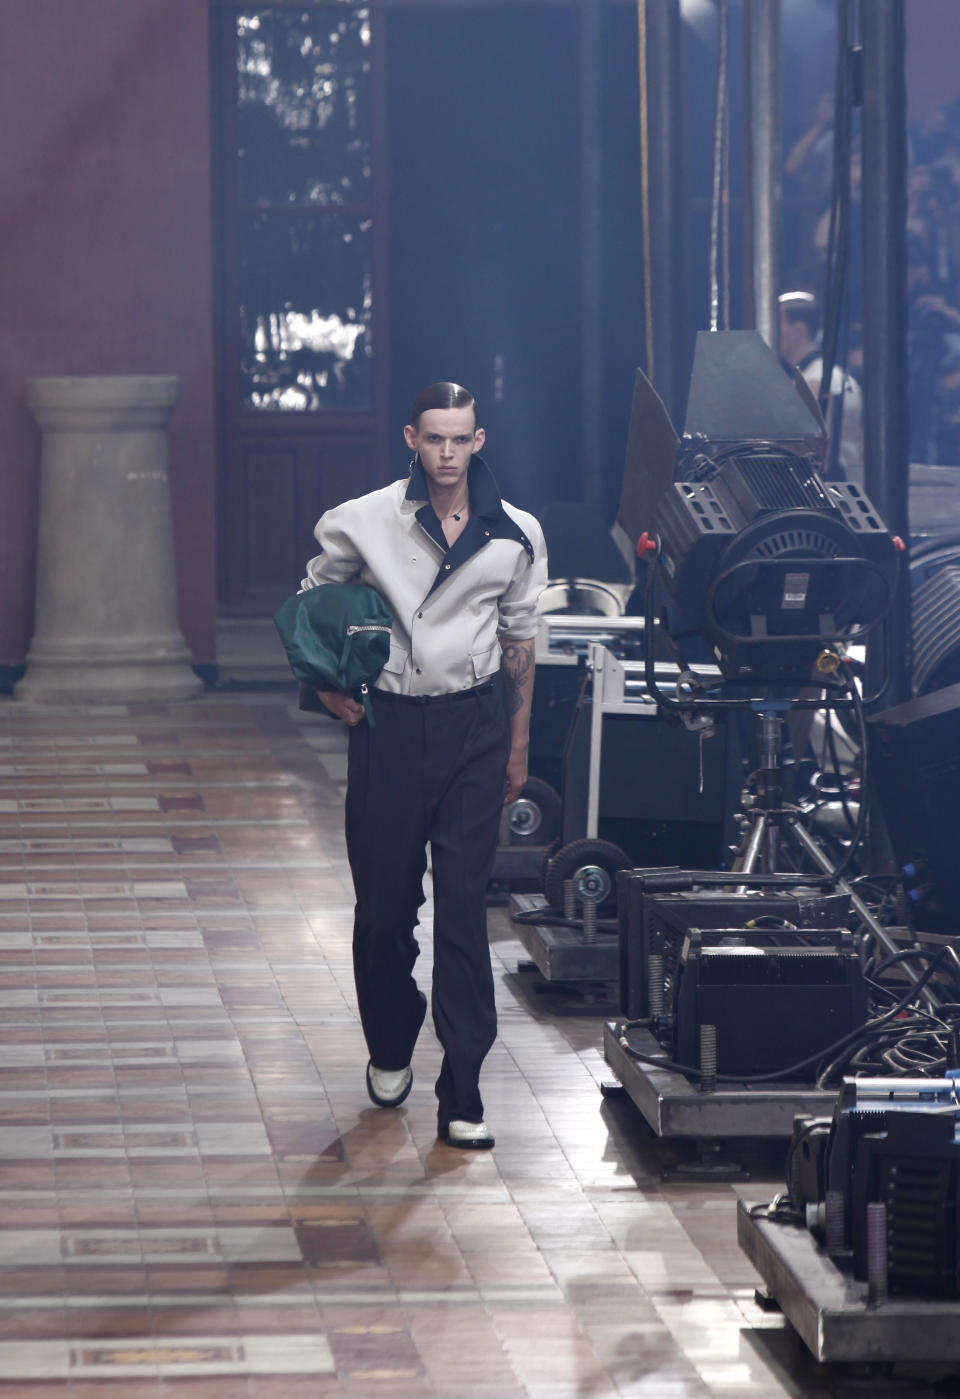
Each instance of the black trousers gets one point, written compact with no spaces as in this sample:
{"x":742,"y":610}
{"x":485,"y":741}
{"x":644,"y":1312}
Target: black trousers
{"x":432,"y":769}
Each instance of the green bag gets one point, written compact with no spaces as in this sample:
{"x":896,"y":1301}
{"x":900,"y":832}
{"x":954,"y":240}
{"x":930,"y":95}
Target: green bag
{"x":337,"y":637}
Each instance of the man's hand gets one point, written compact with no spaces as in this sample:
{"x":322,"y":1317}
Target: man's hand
{"x":516,"y":774}
{"x":345,"y":708}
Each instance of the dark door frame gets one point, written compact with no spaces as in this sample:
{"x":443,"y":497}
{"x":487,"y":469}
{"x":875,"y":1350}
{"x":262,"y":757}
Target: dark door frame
{"x":341,"y":433}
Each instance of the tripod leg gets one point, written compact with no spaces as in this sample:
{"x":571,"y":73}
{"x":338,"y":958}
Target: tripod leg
{"x":747,"y":863}
{"x":820,"y":858}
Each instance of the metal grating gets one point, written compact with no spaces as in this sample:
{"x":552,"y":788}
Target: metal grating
{"x":808,"y":542}
{"x":780,"y":483}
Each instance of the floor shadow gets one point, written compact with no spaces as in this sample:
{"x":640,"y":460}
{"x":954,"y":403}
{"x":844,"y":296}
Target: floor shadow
{"x":560,"y":999}
{"x":687,"y":1160}
{"x":801,"y":1375}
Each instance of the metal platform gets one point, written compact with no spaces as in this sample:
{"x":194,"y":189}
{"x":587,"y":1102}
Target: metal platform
{"x":674,"y":1106}
{"x":560,"y":953}
{"x":829,"y":1309}
{"x":517,"y":867}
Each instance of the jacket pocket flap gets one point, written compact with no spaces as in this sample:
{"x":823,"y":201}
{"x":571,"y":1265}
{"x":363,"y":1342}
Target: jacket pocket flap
{"x":486,"y":662}
{"x":396,"y":660}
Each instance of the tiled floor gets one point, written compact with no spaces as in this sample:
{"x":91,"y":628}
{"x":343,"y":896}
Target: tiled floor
{"x":197,"y":1198}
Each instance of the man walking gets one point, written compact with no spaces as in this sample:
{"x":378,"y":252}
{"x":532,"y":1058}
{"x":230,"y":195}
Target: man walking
{"x":462,"y":572}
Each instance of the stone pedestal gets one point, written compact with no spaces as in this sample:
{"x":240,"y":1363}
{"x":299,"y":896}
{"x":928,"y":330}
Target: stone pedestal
{"x":107,"y":629}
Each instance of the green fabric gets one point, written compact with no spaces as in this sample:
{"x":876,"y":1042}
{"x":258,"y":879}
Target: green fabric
{"x":324,"y":653}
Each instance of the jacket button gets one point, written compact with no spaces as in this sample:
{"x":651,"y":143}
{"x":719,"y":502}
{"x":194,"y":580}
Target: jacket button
{"x":446,"y":565}
{"x":419,"y":671}
{"x":419,"y":614}
{"x":487,"y":533}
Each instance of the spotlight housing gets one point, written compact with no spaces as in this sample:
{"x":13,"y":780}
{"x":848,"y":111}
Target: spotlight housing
{"x":763,"y":560}
{"x":768,"y":563}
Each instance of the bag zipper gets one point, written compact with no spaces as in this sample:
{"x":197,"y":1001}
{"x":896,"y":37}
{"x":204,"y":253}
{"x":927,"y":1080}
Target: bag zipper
{"x":371,"y":626}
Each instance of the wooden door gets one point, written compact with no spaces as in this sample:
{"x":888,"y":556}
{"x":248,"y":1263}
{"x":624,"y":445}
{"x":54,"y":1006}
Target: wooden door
{"x":299,"y":271}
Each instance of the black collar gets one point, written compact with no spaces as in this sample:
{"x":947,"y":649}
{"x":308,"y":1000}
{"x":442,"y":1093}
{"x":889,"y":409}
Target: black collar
{"x":488,"y":519}
{"x":481,"y":483}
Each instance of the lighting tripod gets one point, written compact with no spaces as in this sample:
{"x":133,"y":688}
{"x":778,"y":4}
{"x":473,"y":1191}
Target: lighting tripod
{"x":772,"y":824}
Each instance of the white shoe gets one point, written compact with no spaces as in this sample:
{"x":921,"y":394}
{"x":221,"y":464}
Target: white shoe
{"x":388,"y":1087}
{"x":469,"y":1136}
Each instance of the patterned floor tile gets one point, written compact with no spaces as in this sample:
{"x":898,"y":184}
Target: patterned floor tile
{"x":197,"y":1198}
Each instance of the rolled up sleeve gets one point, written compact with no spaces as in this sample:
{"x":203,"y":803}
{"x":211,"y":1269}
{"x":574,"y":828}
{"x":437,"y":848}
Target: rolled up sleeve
{"x":339,"y":559}
{"x":518,"y":604}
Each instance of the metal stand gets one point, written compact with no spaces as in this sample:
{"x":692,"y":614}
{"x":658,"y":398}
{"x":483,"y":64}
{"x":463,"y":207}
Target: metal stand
{"x":838,"y":1318}
{"x":562,"y":953}
{"x":619,"y":690}
{"x":515,"y":868}
{"x":772,"y":825}
{"x":676,"y":1107}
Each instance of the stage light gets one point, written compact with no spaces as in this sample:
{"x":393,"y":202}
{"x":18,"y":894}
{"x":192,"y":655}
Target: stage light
{"x":769,"y":564}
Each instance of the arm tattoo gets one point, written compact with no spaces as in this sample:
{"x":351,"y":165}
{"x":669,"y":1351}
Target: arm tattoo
{"x":517,"y":673}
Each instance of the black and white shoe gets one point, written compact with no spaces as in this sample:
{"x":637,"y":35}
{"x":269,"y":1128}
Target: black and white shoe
{"x":388,"y":1087}
{"x":468,"y":1136}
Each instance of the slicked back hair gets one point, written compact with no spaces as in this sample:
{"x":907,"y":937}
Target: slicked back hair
{"x":443,"y":395}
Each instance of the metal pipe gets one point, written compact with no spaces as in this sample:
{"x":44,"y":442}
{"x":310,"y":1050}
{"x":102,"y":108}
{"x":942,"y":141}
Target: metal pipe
{"x":591,"y":259}
{"x":762,"y":183}
{"x":719,"y":192}
{"x":886,"y":436}
{"x":754,"y":845}
{"x":708,"y":1058}
{"x":667,"y":300}
{"x":876,"y":1253}
{"x":880,"y":934}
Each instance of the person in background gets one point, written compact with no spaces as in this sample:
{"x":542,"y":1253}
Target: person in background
{"x":800,"y":349}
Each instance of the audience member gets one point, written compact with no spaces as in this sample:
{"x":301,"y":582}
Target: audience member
{"x":800,"y":349}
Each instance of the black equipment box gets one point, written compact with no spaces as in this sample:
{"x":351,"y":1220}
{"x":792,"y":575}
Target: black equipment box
{"x":657,"y":907}
{"x":772,"y":1005}
{"x":650,"y":800}
{"x":905,"y":1153}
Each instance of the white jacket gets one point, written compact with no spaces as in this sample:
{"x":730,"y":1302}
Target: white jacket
{"x":452,"y":607}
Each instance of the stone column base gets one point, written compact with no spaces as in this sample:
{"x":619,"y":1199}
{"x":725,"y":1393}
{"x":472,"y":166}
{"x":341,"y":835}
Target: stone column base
{"x":107,"y":628}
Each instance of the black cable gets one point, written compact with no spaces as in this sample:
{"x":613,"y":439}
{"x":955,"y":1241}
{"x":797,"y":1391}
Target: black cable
{"x":796,"y":1142}
{"x":857,"y":838}
{"x":906,"y":954}
{"x":879,"y":989}
{"x":780,"y":1209}
{"x":838,"y":238}
{"x":841,"y":780}
{"x":851,"y":1038}
{"x":557,"y":920}
{"x":913,"y":1056}
{"x":873,"y":1038}
{"x":909,"y":954}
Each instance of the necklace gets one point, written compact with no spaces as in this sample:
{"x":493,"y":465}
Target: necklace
{"x":455,"y":514}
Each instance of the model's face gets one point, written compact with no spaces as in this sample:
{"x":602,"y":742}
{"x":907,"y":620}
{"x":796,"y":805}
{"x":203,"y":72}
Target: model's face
{"x":446,"y":439}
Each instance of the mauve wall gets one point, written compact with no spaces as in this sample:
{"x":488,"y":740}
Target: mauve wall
{"x":105,"y":254}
